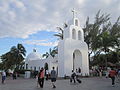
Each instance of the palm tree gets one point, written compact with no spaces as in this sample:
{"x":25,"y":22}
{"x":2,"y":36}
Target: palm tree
{"x":92,"y":32}
{"x":51,"y":52}
{"x":21,"y":49}
{"x":103,"y":43}
{"x":14,"y":57}
{"x":18,"y":53}
{"x":60,"y":34}
{"x":115,"y":32}
{"x":45,"y":55}
{"x":6,"y":63}
{"x":48,"y":53}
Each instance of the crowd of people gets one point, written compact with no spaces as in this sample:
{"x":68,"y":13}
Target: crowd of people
{"x":44,"y":73}
{"x":111,"y":73}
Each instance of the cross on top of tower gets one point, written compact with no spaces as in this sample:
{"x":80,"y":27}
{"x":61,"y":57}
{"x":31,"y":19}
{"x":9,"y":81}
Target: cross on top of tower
{"x":74,"y":12}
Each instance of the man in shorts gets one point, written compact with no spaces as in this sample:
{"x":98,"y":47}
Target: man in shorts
{"x":53,"y":77}
{"x":3,"y":77}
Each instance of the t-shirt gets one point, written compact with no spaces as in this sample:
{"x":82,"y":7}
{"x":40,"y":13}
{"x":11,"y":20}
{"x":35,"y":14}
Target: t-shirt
{"x":112,"y":73}
{"x":47,"y":72}
{"x":53,"y":74}
{"x":3,"y":74}
{"x":42,"y":74}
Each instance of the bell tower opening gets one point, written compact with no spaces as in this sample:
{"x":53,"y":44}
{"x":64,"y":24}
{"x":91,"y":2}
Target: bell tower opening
{"x":73,"y":34}
{"x":76,"y":22}
{"x":79,"y":35}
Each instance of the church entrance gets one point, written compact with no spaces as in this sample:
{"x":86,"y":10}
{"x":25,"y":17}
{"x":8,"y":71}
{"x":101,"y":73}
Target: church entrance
{"x":77,"y":60}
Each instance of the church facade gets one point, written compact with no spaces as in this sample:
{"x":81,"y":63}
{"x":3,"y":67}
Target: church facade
{"x":72,"y":53}
{"x":72,"y":50}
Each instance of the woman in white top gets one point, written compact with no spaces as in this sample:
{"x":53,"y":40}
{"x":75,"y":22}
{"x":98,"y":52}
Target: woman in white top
{"x":3,"y":77}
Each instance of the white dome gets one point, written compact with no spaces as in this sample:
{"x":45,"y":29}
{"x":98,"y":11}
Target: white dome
{"x":33,"y":56}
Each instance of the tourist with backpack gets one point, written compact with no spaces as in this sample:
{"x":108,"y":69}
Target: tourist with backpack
{"x":53,"y":76}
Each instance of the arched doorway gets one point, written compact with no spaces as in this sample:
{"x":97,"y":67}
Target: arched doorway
{"x":46,"y":66}
{"x":77,"y":59}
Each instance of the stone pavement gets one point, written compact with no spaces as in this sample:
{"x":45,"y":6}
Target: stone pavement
{"x":94,"y":83}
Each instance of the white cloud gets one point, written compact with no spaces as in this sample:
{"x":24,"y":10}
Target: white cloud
{"x":12,"y":14}
{"x":19,"y":4}
{"x":21,"y":18}
{"x":41,"y":42}
{"x":81,"y":2}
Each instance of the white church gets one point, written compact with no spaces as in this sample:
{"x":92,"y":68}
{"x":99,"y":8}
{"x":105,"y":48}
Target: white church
{"x":72,"y":53}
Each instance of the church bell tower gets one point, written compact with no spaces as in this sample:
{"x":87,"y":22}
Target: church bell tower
{"x":72,"y":50}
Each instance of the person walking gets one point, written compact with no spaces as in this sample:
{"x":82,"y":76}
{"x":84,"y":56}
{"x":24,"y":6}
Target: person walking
{"x":37,"y":79}
{"x":73,"y":76}
{"x":47,"y":74}
{"x":41,"y":78}
{"x":53,"y":76}
{"x":112,"y":75}
{"x":118,"y":74}
{"x":3,"y":77}
{"x":14,"y":75}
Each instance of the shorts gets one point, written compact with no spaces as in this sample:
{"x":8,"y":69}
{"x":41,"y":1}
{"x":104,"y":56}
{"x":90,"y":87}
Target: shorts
{"x":3,"y":78}
{"x":53,"y":79}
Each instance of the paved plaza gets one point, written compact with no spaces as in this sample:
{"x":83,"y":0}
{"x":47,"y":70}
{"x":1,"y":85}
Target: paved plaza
{"x":94,"y":83}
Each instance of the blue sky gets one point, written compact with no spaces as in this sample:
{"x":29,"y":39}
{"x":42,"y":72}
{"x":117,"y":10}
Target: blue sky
{"x":33,"y":22}
{"x":42,"y":41}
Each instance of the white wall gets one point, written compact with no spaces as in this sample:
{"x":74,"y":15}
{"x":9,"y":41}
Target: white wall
{"x":61,"y":59}
{"x":41,"y":62}
{"x":68,"y":56}
{"x":67,"y":46}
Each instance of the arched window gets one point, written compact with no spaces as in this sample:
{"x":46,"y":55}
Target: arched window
{"x":73,"y":34}
{"x":76,"y":22}
{"x":79,"y":35}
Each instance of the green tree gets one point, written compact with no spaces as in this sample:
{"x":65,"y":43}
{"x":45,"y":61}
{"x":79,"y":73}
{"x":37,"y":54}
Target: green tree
{"x":45,"y":55}
{"x":13,"y":58}
{"x":92,"y":31}
{"x":51,"y":52}
{"x":115,"y":32}
{"x":1,"y":66}
{"x":101,"y":36}
{"x":54,"y":51}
